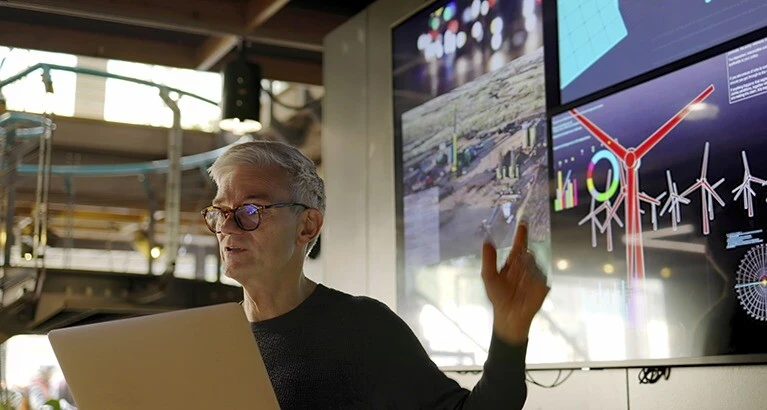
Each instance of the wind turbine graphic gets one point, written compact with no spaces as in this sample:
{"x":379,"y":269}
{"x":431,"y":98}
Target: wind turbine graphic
{"x":707,"y":192}
{"x":594,"y":217}
{"x":745,"y":188}
{"x":673,"y":201}
{"x":631,"y":160}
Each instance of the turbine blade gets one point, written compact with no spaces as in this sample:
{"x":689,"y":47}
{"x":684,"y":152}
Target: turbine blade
{"x":745,"y":162}
{"x":737,"y":191}
{"x":704,"y":167}
{"x":665,"y":206}
{"x":716,"y":196}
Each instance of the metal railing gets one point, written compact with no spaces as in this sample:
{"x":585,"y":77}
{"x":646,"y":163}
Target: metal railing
{"x":172,"y":166}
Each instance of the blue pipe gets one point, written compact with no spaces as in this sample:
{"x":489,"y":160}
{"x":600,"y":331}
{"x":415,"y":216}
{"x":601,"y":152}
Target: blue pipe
{"x":152,"y":167}
{"x":23,"y":116}
{"x":41,"y":122}
{"x":88,"y":71}
{"x":157,"y":167}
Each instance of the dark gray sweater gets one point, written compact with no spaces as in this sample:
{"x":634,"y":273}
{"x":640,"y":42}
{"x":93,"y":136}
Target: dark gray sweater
{"x":337,"y":351}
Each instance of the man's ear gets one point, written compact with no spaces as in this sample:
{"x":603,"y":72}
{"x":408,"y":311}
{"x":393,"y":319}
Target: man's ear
{"x":310,"y":226}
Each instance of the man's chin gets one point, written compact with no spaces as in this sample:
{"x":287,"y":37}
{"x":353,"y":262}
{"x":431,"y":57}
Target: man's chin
{"x":242,"y":271}
{"x":234,"y":272}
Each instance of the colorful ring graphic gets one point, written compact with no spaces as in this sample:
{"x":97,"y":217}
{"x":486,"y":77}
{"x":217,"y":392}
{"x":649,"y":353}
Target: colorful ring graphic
{"x":603,"y":196}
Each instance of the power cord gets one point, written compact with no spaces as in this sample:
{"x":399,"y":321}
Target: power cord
{"x":650,"y":375}
{"x":287,"y":106}
{"x":557,"y":382}
{"x":242,"y":50}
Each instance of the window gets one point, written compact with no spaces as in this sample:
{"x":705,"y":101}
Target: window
{"x":133,"y":103}
{"x":28,"y":94}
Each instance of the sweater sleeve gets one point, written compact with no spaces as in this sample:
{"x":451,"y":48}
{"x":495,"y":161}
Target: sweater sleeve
{"x":402,"y":374}
{"x":36,"y":396}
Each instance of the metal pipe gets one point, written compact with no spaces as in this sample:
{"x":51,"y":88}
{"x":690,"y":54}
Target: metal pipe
{"x":173,"y":185}
{"x":70,"y":221}
{"x":38,"y":211}
{"x":162,"y":166}
{"x":48,"y":147}
{"x":90,"y":71}
{"x":153,"y":167}
{"x":150,"y":230}
{"x":9,"y":195}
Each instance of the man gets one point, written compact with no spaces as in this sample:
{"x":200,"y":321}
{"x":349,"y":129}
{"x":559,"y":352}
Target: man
{"x":327,"y":349}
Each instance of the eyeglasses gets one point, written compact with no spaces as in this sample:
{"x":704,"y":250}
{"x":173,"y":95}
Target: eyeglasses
{"x":246,"y":216}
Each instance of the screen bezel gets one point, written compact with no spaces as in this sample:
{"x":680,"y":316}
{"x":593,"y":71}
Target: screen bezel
{"x":551,"y":59}
{"x":399,"y":206}
{"x":553,"y":108}
{"x":552,"y":111}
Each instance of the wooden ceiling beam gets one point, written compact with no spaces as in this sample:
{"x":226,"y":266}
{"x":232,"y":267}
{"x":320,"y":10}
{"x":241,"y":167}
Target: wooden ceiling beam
{"x":217,"y":18}
{"x":69,"y":41}
{"x":297,"y":71}
{"x":302,"y":26}
{"x":213,"y":50}
{"x":257,"y":12}
{"x":60,"y":40}
{"x":191,"y":16}
{"x":139,"y":142}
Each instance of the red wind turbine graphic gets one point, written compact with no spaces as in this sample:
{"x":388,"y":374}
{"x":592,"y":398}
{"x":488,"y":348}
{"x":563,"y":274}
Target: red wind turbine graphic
{"x":630,"y":159}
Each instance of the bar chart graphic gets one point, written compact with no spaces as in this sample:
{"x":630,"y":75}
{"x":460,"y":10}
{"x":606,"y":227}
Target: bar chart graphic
{"x":567,"y":192}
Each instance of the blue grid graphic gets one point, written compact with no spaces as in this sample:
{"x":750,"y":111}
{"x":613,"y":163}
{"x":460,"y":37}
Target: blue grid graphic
{"x":588,"y":29}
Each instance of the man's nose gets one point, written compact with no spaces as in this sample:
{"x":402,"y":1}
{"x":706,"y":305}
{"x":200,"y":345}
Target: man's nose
{"x":229,"y":226}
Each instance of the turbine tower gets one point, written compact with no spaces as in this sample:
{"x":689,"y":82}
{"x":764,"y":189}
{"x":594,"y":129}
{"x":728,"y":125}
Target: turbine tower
{"x":630,"y":159}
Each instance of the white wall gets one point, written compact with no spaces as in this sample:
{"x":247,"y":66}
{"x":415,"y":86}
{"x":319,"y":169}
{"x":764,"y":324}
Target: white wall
{"x":344,"y":157}
{"x":359,"y":243}
{"x":358,"y":154}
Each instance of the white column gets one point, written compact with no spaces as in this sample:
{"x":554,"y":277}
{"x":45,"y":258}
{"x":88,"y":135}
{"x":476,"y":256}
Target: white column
{"x":90,"y":89}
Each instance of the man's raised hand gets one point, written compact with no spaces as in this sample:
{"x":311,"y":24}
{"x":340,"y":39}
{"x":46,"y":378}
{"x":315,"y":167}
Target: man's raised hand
{"x":516,"y":291}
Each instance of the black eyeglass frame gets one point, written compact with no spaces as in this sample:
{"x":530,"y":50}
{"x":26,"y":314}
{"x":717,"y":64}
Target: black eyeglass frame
{"x":233,"y":211}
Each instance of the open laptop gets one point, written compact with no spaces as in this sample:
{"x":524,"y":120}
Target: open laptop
{"x":201,"y":358}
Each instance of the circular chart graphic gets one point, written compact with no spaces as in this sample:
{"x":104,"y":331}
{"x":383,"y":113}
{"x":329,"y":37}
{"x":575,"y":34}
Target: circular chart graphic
{"x":614,"y":183}
{"x":751,"y":282}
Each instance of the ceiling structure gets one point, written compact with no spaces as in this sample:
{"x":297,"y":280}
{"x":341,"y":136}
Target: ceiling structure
{"x":284,"y":36}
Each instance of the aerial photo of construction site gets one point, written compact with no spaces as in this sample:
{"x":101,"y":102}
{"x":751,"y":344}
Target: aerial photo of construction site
{"x":482,"y":149}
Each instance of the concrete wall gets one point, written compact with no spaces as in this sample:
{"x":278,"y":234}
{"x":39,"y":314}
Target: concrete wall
{"x":359,"y":243}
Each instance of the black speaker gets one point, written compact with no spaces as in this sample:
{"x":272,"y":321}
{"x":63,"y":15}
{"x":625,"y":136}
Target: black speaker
{"x":241,"y":100}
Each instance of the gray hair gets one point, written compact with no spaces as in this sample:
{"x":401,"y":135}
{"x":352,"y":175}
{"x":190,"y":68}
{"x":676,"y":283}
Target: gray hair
{"x":306,"y":185}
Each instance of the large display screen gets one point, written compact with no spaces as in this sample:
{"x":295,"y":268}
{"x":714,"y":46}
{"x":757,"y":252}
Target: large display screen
{"x":469,"y":107}
{"x":605,"y":42}
{"x":660,"y":215}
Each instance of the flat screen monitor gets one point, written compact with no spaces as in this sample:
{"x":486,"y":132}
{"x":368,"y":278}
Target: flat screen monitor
{"x":470,"y":132}
{"x":605,"y":42}
{"x":659,"y":218}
